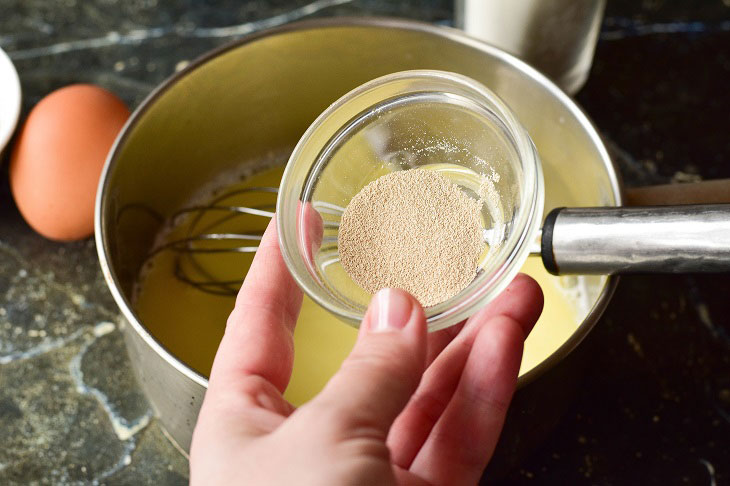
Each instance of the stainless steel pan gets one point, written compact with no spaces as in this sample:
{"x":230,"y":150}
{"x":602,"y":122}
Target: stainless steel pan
{"x":258,"y":95}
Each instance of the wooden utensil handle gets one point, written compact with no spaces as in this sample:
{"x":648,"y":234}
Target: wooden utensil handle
{"x":705,"y":192}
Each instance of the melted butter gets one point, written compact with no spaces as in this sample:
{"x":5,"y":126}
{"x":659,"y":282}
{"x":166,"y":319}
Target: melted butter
{"x":190,"y":323}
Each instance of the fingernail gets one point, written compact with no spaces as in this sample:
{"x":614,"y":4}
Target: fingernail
{"x":392,"y":310}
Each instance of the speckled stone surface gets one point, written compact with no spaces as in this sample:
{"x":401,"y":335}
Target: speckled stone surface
{"x":655,"y":405}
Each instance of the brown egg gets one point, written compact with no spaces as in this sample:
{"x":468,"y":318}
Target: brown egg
{"x":58,"y":157}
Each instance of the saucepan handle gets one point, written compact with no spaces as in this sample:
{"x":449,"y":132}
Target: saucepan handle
{"x":655,"y":239}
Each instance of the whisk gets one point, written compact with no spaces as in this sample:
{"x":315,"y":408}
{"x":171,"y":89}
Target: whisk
{"x":603,"y":252}
{"x":201,"y":236}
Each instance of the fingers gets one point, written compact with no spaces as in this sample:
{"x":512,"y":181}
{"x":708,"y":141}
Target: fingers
{"x":253,"y":407}
{"x":313,"y":229}
{"x":522,"y":302}
{"x":504,"y":304}
{"x":438,"y":340}
{"x":463,"y":440}
{"x":254,"y":360}
{"x":377,"y":379}
{"x":259,"y":334}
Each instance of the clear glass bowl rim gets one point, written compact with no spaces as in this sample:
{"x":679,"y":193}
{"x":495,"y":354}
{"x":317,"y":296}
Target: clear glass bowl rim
{"x":474,"y":297}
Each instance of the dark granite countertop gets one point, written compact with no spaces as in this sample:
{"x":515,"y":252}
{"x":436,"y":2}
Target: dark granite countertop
{"x":655,"y":405}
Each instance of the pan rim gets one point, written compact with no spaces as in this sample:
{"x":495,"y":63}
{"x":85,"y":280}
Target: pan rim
{"x":378,"y":22}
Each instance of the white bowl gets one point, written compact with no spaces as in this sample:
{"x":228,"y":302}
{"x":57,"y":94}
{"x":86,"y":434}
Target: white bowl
{"x":9,"y":99}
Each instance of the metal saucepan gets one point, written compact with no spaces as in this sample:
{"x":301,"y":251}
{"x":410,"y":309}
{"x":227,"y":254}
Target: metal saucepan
{"x":259,"y":95}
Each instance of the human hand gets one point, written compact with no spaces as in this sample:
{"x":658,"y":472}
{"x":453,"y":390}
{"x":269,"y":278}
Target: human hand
{"x":406,"y":407}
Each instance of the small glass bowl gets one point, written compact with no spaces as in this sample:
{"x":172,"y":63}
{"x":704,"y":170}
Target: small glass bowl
{"x":424,"y":119}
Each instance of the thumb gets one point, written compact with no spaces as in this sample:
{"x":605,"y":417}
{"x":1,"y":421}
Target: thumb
{"x":383,"y":370}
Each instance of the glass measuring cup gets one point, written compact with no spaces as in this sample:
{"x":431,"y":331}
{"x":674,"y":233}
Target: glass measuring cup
{"x":425,"y":119}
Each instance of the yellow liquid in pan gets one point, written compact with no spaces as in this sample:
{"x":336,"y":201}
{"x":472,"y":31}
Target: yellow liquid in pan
{"x":190,"y":323}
